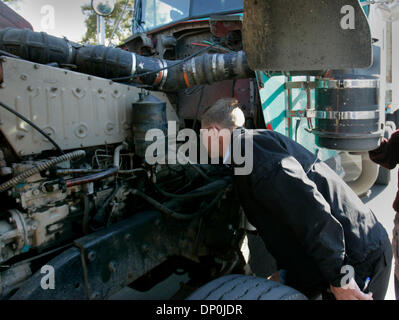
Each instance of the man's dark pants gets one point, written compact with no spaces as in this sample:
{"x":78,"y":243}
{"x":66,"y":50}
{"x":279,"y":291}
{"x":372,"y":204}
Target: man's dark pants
{"x":377,"y":267}
{"x":381,"y":274}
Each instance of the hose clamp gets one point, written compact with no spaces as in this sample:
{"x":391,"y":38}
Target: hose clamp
{"x":134,"y":64}
{"x":343,"y":115}
{"x":348,"y":84}
{"x":214,"y":66}
{"x":161,"y":76}
{"x":194,"y":70}
{"x":70,"y":51}
{"x":164,"y":74}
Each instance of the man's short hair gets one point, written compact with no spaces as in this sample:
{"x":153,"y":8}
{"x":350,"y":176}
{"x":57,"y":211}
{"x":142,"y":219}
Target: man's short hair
{"x":225,"y":112}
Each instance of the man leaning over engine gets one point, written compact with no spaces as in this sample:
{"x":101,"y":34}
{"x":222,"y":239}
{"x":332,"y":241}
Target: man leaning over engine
{"x":313,"y":224}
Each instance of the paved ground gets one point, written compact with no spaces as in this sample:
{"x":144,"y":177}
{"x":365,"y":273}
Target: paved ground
{"x":379,"y":200}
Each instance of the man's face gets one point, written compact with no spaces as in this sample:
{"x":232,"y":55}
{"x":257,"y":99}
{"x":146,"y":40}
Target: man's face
{"x":210,"y":139}
{"x":215,"y":140}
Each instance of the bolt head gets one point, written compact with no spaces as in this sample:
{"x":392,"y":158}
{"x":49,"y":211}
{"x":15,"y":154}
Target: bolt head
{"x":112,"y":266}
{"x":95,"y":295}
{"x":91,"y":256}
{"x":49,"y":187}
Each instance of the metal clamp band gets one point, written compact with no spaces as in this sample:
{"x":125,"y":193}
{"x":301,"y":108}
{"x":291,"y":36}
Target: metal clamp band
{"x":348,"y":84}
{"x":164,"y":74}
{"x":214,"y":66}
{"x":343,"y":115}
{"x":300,"y":85}
{"x":134,"y":64}
{"x":194,"y":71}
{"x":70,"y":52}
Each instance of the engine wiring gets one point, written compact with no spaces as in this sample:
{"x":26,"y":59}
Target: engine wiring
{"x":33,"y":126}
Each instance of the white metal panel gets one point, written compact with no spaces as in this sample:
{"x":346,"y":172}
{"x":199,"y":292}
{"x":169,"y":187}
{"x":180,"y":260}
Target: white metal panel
{"x":77,"y":110}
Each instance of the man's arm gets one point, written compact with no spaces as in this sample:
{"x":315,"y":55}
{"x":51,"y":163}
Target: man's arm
{"x":308,"y":214}
{"x":387,"y":154}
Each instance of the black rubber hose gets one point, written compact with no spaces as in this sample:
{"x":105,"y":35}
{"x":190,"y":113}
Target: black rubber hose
{"x":200,"y":192}
{"x":115,"y":63}
{"x":86,"y":211}
{"x":91,"y":178}
{"x":38,"y":47}
{"x":173,"y":214}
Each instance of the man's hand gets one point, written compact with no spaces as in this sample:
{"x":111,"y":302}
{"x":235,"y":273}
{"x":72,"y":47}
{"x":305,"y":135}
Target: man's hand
{"x":350,"y":291}
{"x":275,"y":276}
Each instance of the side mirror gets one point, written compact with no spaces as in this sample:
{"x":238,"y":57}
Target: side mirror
{"x":103,"y":7}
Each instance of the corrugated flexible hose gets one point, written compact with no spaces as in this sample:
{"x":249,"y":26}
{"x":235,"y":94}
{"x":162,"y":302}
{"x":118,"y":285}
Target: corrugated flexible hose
{"x":41,"y":167}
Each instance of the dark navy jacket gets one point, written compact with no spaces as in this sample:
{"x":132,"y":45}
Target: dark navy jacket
{"x":309,"y":218}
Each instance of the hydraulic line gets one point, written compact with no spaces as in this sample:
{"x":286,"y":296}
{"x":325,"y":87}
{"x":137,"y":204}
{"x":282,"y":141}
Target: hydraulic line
{"x":67,"y":172}
{"x":100,"y":175}
{"x":91,"y":178}
{"x":41,"y":167}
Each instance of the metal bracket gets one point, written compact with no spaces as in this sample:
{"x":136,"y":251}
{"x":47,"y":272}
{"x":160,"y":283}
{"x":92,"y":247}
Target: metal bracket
{"x":336,"y":115}
{"x":104,"y":262}
{"x":301,"y":85}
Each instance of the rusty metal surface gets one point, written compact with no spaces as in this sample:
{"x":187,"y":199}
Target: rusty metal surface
{"x":302,"y":35}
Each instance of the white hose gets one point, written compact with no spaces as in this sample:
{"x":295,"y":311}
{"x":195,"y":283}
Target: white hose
{"x":367,"y":177}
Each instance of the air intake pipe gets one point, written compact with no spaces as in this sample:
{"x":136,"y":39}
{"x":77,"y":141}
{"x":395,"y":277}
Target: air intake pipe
{"x":115,"y":63}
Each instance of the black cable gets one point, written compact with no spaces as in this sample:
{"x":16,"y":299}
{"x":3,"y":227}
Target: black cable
{"x":198,"y":107}
{"x":133,"y":76}
{"x":33,"y":126}
{"x":37,"y":257}
{"x":199,"y":170}
{"x":2,"y":52}
{"x":211,"y":188}
{"x":173,"y":214}
{"x":192,"y":90}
